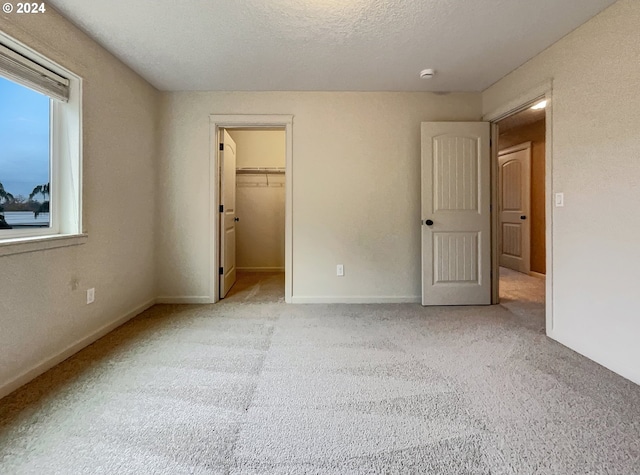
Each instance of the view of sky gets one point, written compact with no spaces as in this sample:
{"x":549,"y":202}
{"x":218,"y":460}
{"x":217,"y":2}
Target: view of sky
{"x":24,"y":138}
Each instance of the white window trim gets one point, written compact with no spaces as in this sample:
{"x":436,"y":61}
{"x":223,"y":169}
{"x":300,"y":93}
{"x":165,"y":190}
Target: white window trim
{"x":65,"y":169}
{"x":39,"y":243}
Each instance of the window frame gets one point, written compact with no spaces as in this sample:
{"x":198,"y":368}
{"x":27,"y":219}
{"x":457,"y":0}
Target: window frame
{"x":65,"y":163}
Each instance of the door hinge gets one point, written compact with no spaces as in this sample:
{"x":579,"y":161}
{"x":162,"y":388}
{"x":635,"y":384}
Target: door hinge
{"x":221,"y":270}
{"x":221,"y":146}
{"x":222,"y":208}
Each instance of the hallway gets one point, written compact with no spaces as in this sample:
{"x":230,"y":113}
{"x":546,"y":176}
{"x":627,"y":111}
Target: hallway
{"x":524,"y":296}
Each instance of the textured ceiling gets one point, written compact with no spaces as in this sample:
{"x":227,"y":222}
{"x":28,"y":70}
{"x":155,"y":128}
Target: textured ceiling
{"x":326,"y":45}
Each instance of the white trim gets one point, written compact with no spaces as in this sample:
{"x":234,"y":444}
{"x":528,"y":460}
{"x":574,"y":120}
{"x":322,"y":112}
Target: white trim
{"x":517,"y":104}
{"x":40,"y":243}
{"x":261,"y":269}
{"x":356,"y":300}
{"x":606,"y":359}
{"x":48,"y":363}
{"x":520,"y":103}
{"x":495,"y":218}
{"x":256,"y":121}
{"x":548,"y":183}
{"x":183,"y":300}
{"x":69,"y":146}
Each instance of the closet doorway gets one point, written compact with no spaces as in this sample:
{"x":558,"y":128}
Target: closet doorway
{"x":259,"y":221}
{"x":251,"y":231}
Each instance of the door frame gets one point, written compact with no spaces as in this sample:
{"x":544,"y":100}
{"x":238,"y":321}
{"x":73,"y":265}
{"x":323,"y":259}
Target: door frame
{"x":511,"y":107}
{"x":251,"y":121}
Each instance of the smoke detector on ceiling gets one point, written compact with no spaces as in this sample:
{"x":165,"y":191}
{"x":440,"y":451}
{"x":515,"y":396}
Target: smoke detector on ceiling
{"x":427,"y":73}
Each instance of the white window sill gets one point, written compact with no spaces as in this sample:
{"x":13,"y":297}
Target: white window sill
{"x":40,"y":243}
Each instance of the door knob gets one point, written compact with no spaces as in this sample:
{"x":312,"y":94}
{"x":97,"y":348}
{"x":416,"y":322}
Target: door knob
{"x":236,"y":219}
{"x":523,"y":217}
{"x":428,"y":222}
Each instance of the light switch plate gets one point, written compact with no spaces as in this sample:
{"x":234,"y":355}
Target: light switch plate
{"x":559,"y":200}
{"x":91,"y":295}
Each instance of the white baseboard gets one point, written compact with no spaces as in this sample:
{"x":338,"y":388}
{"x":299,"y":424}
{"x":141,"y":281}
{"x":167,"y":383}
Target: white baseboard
{"x":625,"y":366}
{"x":184,"y":300}
{"x":261,"y":269}
{"x":405,"y":299}
{"x":70,"y":350}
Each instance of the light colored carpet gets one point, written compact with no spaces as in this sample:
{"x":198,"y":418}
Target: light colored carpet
{"x":257,"y":287}
{"x":269,"y":388}
{"x":524,"y":296}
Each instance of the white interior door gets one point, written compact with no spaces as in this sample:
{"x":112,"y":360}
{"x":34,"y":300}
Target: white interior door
{"x":456,"y":218}
{"x":227,"y":213}
{"x":514,"y":206}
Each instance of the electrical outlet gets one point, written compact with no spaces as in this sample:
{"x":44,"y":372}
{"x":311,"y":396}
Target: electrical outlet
{"x":340,"y":270}
{"x":91,"y":295}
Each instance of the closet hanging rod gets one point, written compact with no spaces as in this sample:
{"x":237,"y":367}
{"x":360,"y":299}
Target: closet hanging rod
{"x":260,"y":171}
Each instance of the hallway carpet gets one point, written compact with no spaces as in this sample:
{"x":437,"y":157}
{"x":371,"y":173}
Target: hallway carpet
{"x":267,"y":388}
{"x":524,"y":296}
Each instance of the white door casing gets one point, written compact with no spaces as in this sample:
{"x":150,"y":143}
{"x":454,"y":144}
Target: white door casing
{"x":228,"y":213}
{"x":514,"y":207}
{"x":517,"y":103}
{"x":253,"y":121}
{"x":456,"y":218}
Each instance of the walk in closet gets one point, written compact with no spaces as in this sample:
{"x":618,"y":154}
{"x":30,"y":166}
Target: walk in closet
{"x":260,"y":199}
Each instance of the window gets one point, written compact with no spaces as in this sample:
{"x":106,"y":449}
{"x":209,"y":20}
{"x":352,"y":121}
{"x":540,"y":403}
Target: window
{"x":40,"y":146}
{"x":25,"y":155}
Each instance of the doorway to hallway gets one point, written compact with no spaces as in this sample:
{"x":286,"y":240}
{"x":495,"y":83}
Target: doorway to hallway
{"x":521,"y":211}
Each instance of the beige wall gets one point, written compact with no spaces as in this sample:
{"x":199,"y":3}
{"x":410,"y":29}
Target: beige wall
{"x":356,"y":188}
{"x":259,"y":148}
{"x":534,"y":133}
{"x":595,"y":149}
{"x":260,"y":200}
{"x":41,"y":314}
